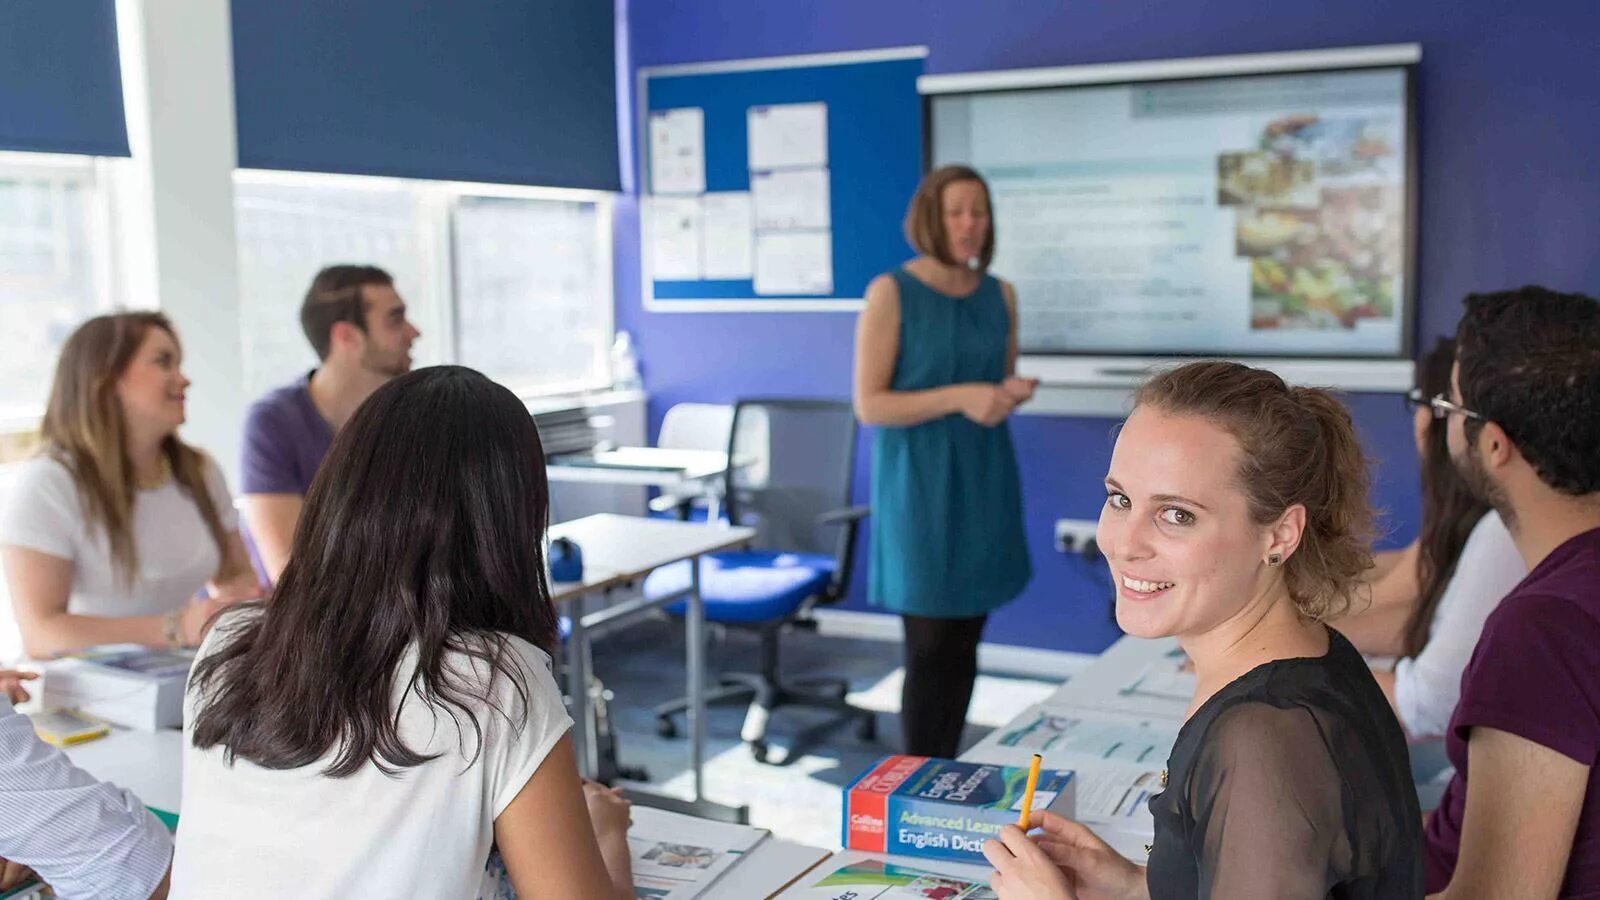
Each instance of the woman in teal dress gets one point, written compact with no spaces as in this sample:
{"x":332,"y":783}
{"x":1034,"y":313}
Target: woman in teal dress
{"x":936,"y":353}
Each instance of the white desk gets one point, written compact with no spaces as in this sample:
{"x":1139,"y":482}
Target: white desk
{"x":621,"y":549}
{"x":656,"y":467}
{"x":148,"y":763}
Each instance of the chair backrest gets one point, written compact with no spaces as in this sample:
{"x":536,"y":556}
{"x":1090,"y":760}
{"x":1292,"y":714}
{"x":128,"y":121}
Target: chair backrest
{"x":791,"y":461}
{"x":696,"y":426}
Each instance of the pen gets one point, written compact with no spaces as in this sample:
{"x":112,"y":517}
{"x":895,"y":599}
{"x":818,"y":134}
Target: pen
{"x":1027,"y":794}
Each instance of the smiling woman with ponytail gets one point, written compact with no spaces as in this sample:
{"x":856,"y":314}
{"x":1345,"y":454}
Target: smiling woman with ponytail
{"x":1236,"y":520}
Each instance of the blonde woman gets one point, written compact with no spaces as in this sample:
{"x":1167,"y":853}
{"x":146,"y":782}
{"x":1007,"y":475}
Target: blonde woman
{"x":109,"y":533}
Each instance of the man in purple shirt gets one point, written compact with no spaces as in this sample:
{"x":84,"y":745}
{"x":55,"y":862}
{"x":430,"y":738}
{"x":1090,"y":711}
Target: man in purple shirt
{"x":357,"y":324}
{"x":1521,"y":818}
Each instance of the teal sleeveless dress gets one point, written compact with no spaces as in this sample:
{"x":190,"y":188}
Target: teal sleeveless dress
{"x":946,"y":500}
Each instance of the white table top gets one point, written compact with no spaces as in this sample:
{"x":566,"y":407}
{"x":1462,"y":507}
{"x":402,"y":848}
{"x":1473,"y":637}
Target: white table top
{"x":148,"y":763}
{"x":621,"y":548}
{"x":640,"y":466}
{"x":1104,"y":683}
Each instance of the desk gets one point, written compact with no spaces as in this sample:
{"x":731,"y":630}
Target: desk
{"x":655,"y":467}
{"x":148,"y":763}
{"x":622,"y":549}
{"x":151,"y":765}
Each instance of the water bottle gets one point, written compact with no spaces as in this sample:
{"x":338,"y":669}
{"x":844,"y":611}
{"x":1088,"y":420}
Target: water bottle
{"x":624,"y":364}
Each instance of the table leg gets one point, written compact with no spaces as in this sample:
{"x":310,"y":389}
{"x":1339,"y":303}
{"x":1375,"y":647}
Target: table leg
{"x":695,"y":634}
{"x":578,"y":689}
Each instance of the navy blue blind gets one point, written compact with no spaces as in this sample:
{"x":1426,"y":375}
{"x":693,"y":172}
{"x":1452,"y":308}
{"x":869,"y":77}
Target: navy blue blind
{"x":506,"y":91}
{"x":60,"y":84}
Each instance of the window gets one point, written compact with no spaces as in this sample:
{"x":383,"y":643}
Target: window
{"x":55,"y":271}
{"x":515,"y":282}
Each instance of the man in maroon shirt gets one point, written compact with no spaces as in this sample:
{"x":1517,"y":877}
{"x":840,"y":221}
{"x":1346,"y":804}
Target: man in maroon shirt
{"x":1522,"y":816}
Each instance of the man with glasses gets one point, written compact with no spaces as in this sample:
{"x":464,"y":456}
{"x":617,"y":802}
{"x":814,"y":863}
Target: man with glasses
{"x":1521,"y":818}
{"x":357,"y":325}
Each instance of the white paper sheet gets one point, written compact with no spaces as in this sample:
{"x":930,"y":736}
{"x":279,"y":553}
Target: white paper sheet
{"x":794,"y":262}
{"x":678,"y":151}
{"x":729,"y":235}
{"x":676,"y":230}
{"x":791,"y":199}
{"x":788,"y":135}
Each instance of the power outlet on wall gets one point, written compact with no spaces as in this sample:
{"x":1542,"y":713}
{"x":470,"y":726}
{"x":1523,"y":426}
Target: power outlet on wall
{"x":1077,"y":536}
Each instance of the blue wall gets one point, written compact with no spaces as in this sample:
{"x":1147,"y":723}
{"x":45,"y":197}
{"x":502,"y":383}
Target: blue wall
{"x":1509,"y":110}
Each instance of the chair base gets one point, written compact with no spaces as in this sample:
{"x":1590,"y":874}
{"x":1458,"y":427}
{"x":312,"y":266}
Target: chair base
{"x":766,"y":692}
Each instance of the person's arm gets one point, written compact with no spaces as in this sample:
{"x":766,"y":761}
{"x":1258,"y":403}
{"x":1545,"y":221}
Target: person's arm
{"x":877,"y":349}
{"x":1376,"y":623}
{"x":236,"y":578}
{"x":1427,"y":687}
{"x":271,"y":519}
{"x":1523,"y":804}
{"x":82,"y":837}
{"x":40,"y":586}
{"x":1019,"y":389}
{"x":550,"y":845}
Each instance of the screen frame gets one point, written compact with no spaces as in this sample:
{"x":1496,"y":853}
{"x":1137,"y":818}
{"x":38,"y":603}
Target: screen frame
{"x":1119,"y":361}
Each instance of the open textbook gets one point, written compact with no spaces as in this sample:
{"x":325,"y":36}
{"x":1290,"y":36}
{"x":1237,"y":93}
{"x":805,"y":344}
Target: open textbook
{"x":861,"y":876}
{"x":675,"y":857}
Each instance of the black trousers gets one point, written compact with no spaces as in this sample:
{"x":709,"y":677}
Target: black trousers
{"x":941,"y":666}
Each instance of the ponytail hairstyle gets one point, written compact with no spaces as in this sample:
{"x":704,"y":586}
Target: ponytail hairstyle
{"x":1297,"y":446}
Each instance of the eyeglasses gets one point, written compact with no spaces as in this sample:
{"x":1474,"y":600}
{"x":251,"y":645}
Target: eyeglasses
{"x":1442,"y":408}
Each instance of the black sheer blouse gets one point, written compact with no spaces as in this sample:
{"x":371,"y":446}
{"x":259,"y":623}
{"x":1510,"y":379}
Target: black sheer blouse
{"x":1291,"y":782}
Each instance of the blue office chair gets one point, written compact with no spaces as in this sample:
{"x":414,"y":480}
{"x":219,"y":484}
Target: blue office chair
{"x":793,"y":463}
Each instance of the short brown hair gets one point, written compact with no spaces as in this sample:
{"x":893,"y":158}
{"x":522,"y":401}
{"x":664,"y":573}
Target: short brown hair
{"x":335,"y":296}
{"x":924,"y":225}
{"x":1297,"y":446}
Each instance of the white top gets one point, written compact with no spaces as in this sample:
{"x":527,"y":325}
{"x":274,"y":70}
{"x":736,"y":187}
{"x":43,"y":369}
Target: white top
{"x":177,"y":554}
{"x":254,"y":832}
{"x":84,"y":837}
{"x":1427,"y":686}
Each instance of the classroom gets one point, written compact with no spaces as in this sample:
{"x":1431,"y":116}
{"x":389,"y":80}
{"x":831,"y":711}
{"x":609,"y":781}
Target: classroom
{"x":715,"y":449}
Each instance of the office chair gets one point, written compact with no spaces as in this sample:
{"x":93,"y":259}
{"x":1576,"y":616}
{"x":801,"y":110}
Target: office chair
{"x":692,"y":426}
{"x":792,"y":484}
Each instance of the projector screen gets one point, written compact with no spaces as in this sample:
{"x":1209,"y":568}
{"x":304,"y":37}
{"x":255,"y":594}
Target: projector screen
{"x":1243,"y":216}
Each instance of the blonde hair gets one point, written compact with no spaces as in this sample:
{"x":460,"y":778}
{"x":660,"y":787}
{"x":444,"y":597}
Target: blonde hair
{"x":84,"y":429}
{"x":1297,"y":446}
{"x":924,"y":223}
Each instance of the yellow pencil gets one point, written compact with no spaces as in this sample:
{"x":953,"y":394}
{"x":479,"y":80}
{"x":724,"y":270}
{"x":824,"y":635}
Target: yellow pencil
{"x":1027,"y":795}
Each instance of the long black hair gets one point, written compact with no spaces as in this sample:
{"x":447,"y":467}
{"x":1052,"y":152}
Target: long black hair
{"x":1449,"y":509}
{"x":423,"y":528}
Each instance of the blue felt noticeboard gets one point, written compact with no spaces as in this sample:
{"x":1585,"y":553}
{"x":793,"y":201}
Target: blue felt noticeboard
{"x":874,"y":161}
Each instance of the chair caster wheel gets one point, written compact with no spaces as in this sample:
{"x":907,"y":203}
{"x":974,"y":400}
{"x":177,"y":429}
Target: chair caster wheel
{"x":867,"y":728}
{"x":758,"y":749}
{"x":666,"y":728}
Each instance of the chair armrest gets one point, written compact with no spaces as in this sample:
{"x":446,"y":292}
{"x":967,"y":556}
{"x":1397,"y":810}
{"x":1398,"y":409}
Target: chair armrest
{"x":844,"y":515}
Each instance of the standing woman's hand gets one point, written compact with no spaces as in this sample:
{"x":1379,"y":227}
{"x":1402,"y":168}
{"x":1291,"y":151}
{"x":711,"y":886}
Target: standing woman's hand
{"x":986,"y":404}
{"x":1019,"y":389}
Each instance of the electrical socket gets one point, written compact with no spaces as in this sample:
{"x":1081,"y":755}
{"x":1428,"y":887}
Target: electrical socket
{"x":1077,"y":536}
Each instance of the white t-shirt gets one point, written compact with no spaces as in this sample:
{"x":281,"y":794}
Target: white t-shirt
{"x":424,"y":833}
{"x":1428,"y":685}
{"x":177,"y":554}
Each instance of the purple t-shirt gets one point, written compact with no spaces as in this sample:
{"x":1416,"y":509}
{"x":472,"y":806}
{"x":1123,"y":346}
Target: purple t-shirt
{"x":1535,"y":674}
{"x":285,"y":439}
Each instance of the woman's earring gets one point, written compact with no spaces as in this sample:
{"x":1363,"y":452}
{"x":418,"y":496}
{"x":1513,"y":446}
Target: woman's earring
{"x":1274,"y":560}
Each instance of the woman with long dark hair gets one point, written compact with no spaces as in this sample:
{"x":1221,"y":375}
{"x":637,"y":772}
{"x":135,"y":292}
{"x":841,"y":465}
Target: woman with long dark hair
{"x":391,"y":712}
{"x":114,"y":527}
{"x":1429,"y":600}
